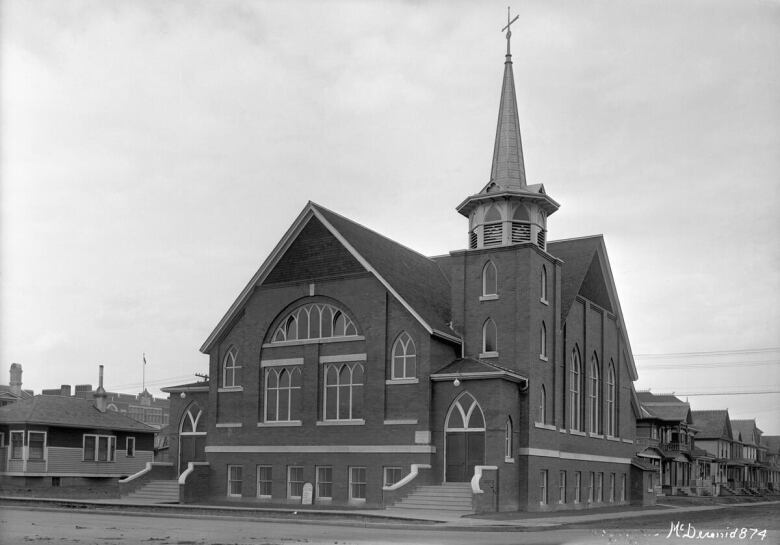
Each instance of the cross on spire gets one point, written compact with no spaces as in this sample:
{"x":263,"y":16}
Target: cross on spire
{"x":509,"y":30}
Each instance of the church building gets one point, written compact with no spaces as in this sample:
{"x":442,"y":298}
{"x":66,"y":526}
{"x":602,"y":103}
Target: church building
{"x":354,"y":371}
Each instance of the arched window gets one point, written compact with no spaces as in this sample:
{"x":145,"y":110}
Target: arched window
{"x":404,"y":357}
{"x":594,"y":395}
{"x":521,"y":226}
{"x":230,"y":368}
{"x":283,"y":394}
{"x":575,"y":408}
{"x":611,"y":401}
{"x":542,"y":412}
{"x":489,"y":340}
{"x":314,"y":321}
{"x":493,"y":227}
{"x":543,"y":284}
{"x":489,"y":279}
{"x":543,"y":341}
{"x":191,"y":422}
{"x":343,"y":395}
{"x":508,"y":436}
{"x":465,"y":415}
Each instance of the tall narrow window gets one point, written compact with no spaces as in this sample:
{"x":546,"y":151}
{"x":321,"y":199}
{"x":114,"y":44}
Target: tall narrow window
{"x":283,"y":394}
{"x":543,"y":342}
{"x":229,"y":369}
{"x":543,"y":487}
{"x":611,"y":401}
{"x":489,"y":337}
{"x":575,"y":414}
{"x":508,"y":439}
{"x":489,"y":279}
{"x":611,"y":495}
{"x":357,"y":483}
{"x":130,"y":447}
{"x":324,"y":483}
{"x":600,"y":487}
{"x":234,"y":481}
{"x":264,"y":481}
{"x":294,"y":481}
{"x":343,"y":396}
{"x":404,"y":358}
{"x":594,"y":395}
{"x":37,"y":445}
{"x":577,"y":486}
{"x":543,"y":284}
{"x":17,"y":445}
{"x":562,"y":487}
{"x":542,"y":412}
{"x":623,"y":487}
{"x":591,"y":486}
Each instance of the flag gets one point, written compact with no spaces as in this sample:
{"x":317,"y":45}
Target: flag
{"x":144,"y":358}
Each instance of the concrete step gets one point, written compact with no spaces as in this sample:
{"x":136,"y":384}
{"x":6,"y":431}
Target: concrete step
{"x":155,"y":492}
{"x":452,"y":498}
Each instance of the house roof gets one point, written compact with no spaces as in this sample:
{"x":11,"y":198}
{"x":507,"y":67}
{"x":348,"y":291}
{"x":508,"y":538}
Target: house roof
{"x":5,"y":391}
{"x":72,"y":412}
{"x":772,"y":442}
{"x":202,"y":385}
{"x":645,"y":396}
{"x":745,"y":429}
{"x":664,"y":407}
{"x":712,"y":424}
{"x":470,"y":368}
{"x":414,"y":279}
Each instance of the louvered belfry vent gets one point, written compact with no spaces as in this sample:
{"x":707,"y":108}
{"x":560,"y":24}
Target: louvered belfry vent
{"x":472,"y":240}
{"x":521,"y":232}
{"x":492,"y":234}
{"x":540,"y":239}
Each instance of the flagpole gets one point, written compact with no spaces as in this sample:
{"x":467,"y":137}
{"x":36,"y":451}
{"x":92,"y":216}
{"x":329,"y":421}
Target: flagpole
{"x":143,"y":374}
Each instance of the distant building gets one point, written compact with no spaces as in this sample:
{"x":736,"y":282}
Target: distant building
{"x":12,"y":391}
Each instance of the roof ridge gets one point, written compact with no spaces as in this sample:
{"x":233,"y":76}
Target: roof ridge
{"x":599,"y":235}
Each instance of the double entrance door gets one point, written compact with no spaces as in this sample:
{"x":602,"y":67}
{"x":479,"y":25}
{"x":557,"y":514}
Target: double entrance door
{"x":464,"y":451}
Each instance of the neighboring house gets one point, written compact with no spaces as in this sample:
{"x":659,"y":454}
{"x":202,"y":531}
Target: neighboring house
{"x":142,"y":407}
{"x":750,"y":470}
{"x":12,"y":392}
{"x":666,"y":427}
{"x":714,"y":436}
{"x":772,"y":444}
{"x":356,"y":364}
{"x":61,"y":441}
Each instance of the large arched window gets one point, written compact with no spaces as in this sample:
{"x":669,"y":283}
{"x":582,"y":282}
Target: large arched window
{"x":489,"y":279}
{"x":543,"y":342}
{"x":314,"y":321}
{"x":343,"y":395}
{"x":404,"y":358}
{"x":594,"y":395}
{"x":489,"y":337}
{"x":611,"y":401}
{"x":543,"y":284}
{"x":283,"y":394}
{"x":230,"y":368}
{"x":465,"y":415}
{"x":542,"y":410}
{"x":575,"y":407}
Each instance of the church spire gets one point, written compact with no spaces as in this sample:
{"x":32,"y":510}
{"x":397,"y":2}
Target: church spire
{"x":508,"y":169}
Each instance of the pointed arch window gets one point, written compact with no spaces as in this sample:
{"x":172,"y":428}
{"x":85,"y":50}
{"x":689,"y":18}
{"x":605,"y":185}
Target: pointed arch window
{"x":575,"y":407}
{"x":493,"y":231}
{"x":521,"y":224}
{"x":508,"y":439}
{"x":541,"y":415}
{"x":343,"y":395}
{"x":465,"y":415}
{"x":611,"y":401}
{"x":314,"y":321}
{"x":404,"y":357}
{"x":543,"y":285}
{"x":230,"y":368}
{"x":192,"y":422}
{"x":543,"y":342}
{"x":489,"y":337}
{"x":489,"y":280}
{"x":283,"y":394}
{"x":594,"y":395}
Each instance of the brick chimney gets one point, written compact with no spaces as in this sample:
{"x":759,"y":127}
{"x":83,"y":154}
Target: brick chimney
{"x":16,"y":379}
{"x":100,"y":394}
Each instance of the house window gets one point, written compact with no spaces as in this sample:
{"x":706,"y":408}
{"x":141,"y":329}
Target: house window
{"x":489,"y":340}
{"x":17,"y":445}
{"x":575,"y":408}
{"x":542,"y":412}
{"x":543,"y":342}
{"x":99,"y":448}
{"x":294,"y":481}
{"x":594,"y":396}
{"x":591,"y":486}
{"x":508,"y":439}
{"x":229,"y":369}
{"x":314,"y":321}
{"x":130,"y":446}
{"x":343,"y":396}
{"x":543,"y":284}
{"x":562,"y":487}
{"x":404,"y":357}
{"x":600,"y":487}
{"x":623,"y":487}
{"x":324,"y":483}
{"x":653,"y":432}
{"x":611,"y":406}
{"x":283,"y":394}
{"x":37,"y":443}
{"x":264,"y":481}
{"x":543,"y":487}
{"x":577,"y":486}
{"x":357,"y":483}
{"x":392,"y":475}
{"x":489,"y":279}
{"x":611,"y":492}
{"x":234,"y":481}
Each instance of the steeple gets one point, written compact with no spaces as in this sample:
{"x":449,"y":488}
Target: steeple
{"x":508,"y":210}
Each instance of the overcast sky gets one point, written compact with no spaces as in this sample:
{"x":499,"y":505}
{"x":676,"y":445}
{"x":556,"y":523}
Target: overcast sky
{"x":153,"y":153}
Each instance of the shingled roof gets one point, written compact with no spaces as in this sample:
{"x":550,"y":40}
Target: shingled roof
{"x":746,"y":429}
{"x":712,"y":424}
{"x":72,"y":412}
{"x":577,"y":255}
{"x":465,"y":368}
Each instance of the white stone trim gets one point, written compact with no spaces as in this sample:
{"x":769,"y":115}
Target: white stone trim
{"x":491,"y":297}
{"x":391,"y":381}
{"x":323,"y":340}
{"x":413,"y":471}
{"x":572,"y":456}
{"x":485,"y":355}
{"x":343,"y":358}
{"x":629,"y":441}
{"x":355,"y":422}
{"x":400,"y":421}
{"x":543,"y":357}
{"x":281,"y":362}
{"x":189,"y":470}
{"x":345,"y":449}
{"x":475,"y":489}
{"x":578,"y":432}
{"x":223,"y":390}
{"x":509,"y":460}
{"x":229,"y":424}
{"x":545,"y":426}
{"x":280,"y":424}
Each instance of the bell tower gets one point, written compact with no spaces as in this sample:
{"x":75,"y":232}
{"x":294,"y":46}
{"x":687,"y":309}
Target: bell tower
{"x":507,"y":210}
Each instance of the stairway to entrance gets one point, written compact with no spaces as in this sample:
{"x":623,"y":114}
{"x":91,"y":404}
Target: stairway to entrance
{"x":155,"y":492}
{"x":454,"y":498}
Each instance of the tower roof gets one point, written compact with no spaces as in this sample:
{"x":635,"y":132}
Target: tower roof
{"x":508,"y":169}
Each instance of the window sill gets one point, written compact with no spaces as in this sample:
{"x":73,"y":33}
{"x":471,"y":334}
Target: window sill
{"x":545,"y":426}
{"x":280,"y":424}
{"x":544,"y":302}
{"x":402,"y":381}
{"x":490,"y":297}
{"x":355,"y":422}
{"x":358,"y":501}
{"x":485,"y":355}
{"x":400,"y":421}
{"x":509,"y":460}
{"x":577,"y":432}
{"x":613,"y":438}
{"x":543,"y":357}
{"x":596,"y":435}
{"x":226,"y":389}
{"x":229,"y":424}
{"x":263,"y":497}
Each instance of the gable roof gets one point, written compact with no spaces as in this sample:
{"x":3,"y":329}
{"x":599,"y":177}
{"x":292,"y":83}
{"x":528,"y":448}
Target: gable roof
{"x":646,"y":396}
{"x":199,"y":386}
{"x":712,"y":424}
{"x":746,"y":429}
{"x":5,"y":391}
{"x":415,"y":280}
{"x":470,"y":368}
{"x":72,"y":412}
{"x":664,"y":407}
{"x":582,"y":259}
{"x":772,"y":443}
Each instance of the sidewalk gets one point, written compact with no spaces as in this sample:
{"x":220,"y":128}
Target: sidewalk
{"x":415,"y":518}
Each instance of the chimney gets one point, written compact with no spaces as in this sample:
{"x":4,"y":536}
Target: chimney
{"x":16,"y":379}
{"x":100,"y":394}
{"x":65,"y":390}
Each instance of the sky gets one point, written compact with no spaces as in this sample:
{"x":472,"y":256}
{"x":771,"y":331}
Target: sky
{"x":153,"y":153}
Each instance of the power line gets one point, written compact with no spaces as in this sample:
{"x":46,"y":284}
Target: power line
{"x":712,"y":353}
{"x":749,"y":363}
{"x":733,"y":393}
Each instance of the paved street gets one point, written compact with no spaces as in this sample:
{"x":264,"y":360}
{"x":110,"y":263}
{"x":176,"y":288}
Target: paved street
{"x":67,"y":526}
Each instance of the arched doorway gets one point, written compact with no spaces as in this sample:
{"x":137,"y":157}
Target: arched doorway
{"x":192,"y":437}
{"x":464,"y":432}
